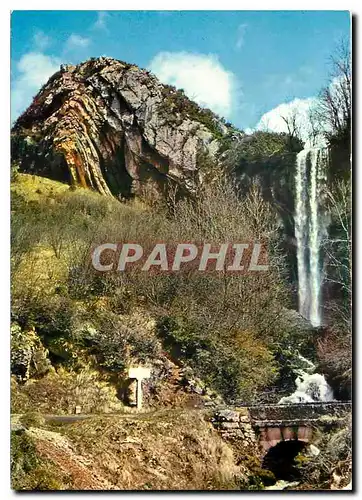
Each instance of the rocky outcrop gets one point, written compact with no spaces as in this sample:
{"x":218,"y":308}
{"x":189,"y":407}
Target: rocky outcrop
{"x":113,"y":127}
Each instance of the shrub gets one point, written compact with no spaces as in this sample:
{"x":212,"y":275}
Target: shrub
{"x":335,"y":457}
{"x":175,"y":102}
{"x":61,"y":391}
{"x":116,"y":345}
{"x":334,"y":351}
{"x":53,"y":317}
{"x":235,"y":364}
{"x":28,"y":356}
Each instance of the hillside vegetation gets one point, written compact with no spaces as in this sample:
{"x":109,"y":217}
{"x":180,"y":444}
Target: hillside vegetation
{"x":72,"y":326}
{"x":108,"y":154}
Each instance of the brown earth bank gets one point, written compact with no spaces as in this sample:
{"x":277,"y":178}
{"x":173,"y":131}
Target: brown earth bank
{"x":165,"y":450}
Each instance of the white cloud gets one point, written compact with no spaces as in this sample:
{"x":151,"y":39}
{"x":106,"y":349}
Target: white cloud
{"x":249,"y":130}
{"x":101,"y":22}
{"x":34,"y":70}
{"x":41,"y":40}
{"x":76,"y":42}
{"x":241,"y":35}
{"x":274,"y":120}
{"x":202,"y":77}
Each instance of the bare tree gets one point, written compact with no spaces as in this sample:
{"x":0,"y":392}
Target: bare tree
{"x":338,"y":250}
{"x":291,"y":121}
{"x":334,"y":106}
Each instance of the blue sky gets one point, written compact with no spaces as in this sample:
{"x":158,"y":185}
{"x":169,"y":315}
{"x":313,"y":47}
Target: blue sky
{"x":241,"y":64}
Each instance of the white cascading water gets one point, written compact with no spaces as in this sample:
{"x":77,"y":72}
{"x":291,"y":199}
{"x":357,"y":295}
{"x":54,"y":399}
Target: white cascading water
{"x":311,"y":387}
{"x":309,"y":228}
{"x":301,"y":224}
{"x":314,"y":279}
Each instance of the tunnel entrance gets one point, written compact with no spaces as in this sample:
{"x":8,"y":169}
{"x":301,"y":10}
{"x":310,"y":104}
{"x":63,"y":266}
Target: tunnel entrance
{"x":280,"y":459}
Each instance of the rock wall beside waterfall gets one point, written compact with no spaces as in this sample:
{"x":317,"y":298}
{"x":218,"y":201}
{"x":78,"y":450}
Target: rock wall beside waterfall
{"x":269,"y":159}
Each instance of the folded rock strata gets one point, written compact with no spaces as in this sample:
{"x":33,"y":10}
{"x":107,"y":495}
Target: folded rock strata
{"x":113,"y":127}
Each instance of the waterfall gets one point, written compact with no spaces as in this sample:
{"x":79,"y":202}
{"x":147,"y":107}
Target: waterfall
{"x":309,"y":228}
{"x":301,"y":220}
{"x":310,"y":388}
{"x":315,"y":282}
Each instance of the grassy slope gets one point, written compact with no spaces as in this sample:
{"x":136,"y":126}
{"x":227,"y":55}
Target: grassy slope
{"x":55,"y":267}
{"x":35,"y":188}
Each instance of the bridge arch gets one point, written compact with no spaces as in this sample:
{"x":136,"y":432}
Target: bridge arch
{"x":270,"y":436}
{"x":280,"y":459}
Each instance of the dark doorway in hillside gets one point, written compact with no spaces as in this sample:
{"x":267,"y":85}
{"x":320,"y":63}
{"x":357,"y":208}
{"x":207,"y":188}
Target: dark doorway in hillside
{"x":280,"y":459}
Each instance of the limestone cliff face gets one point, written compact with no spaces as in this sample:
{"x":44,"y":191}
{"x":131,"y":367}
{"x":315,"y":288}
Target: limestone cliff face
{"x":113,"y":127}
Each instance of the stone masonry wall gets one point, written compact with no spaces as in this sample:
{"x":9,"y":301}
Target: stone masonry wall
{"x":307,"y":411}
{"x":234,"y":424}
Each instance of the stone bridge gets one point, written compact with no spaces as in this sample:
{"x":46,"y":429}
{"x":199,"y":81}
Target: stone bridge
{"x":271,"y":424}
